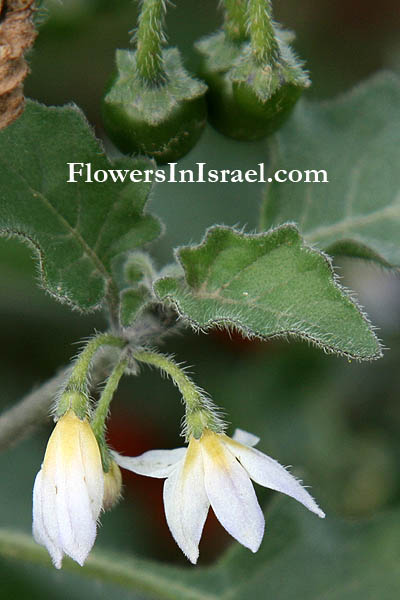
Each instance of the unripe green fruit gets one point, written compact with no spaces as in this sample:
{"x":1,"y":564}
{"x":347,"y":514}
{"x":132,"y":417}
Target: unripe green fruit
{"x":166,"y":141}
{"x":248,"y":99}
{"x":162,"y":121}
{"x":236,"y":111}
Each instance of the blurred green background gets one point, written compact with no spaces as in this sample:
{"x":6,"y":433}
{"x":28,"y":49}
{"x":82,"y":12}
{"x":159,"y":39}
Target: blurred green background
{"x":336,"y":422}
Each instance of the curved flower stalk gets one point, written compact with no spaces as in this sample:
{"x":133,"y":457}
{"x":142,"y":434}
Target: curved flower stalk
{"x":68,"y":491}
{"x":216,"y":470}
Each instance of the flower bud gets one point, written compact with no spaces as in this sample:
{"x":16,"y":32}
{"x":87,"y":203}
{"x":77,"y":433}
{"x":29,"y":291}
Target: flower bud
{"x":112,"y":486}
{"x":163,"y":121}
{"x":68,"y":491}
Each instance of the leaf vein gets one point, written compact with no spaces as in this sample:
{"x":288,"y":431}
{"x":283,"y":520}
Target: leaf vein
{"x":391,"y":210}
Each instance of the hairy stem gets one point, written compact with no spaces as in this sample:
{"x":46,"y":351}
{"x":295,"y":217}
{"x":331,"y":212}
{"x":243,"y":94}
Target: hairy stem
{"x":235,"y":22}
{"x":75,"y":394}
{"x":138,"y":575}
{"x":78,"y":382}
{"x":99,"y":419}
{"x":150,"y":38}
{"x":263,"y":41}
{"x":20,"y":420}
{"x":200,"y":412}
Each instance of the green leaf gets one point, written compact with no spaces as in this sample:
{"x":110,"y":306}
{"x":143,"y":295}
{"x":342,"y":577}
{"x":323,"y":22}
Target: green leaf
{"x":77,"y":229}
{"x":138,"y":268}
{"x":267,"y":285}
{"x":133,"y":301}
{"x":356,"y":139}
{"x":304,"y":558}
{"x":342,"y":561}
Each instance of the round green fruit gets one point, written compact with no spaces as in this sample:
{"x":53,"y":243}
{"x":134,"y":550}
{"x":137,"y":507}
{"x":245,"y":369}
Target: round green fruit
{"x":236,"y":111}
{"x":166,"y":140}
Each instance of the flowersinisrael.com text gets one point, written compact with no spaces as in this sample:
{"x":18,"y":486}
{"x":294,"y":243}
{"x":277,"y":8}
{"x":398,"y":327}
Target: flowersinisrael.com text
{"x":83,"y":172}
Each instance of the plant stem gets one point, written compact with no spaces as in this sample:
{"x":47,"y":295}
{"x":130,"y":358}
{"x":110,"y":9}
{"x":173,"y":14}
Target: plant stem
{"x":112,"y":303}
{"x":190,"y":392}
{"x":33,"y":410}
{"x":98,"y":422}
{"x":78,"y":382}
{"x":263,"y":41}
{"x":200,"y":412}
{"x":235,"y":23}
{"x":75,"y":394}
{"x":20,"y":420}
{"x":142,"y":576}
{"x":150,"y":37}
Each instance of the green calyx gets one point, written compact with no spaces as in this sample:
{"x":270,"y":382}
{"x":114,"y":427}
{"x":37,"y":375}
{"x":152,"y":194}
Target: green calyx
{"x":72,"y":400}
{"x":218,"y":53}
{"x":197,"y":420}
{"x":265,"y":94}
{"x":164,"y":120}
{"x":264,"y":80}
{"x":75,"y":394}
{"x":152,"y":106}
{"x":254,"y":85}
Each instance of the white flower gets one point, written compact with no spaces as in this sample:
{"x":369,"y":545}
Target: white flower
{"x":68,"y":491}
{"x":216,"y":470}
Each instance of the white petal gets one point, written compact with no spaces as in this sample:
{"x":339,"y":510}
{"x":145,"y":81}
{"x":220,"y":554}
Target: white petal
{"x":154,"y":463}
{"x":72,"y":468}
{"x":268,"y":472}
{"x":45,"y":532}
{"x":76,"y":523}
{"x":246,"y":438}
{"x":68,"y":491}
{"x":231,"y":493}
{"x":92,"y":469}
{"x":186,"y":503}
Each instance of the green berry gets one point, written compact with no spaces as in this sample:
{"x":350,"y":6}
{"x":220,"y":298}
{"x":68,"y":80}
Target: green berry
{"x":247,"y":100}
{"x":163,"y":120}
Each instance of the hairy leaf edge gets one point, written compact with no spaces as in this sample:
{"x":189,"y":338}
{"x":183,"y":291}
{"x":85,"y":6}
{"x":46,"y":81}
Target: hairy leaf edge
{"x":237,"y":326}
{"x":32,"y":244}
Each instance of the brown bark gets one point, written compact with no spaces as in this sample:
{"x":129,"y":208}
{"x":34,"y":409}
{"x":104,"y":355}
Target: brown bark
{"x":17,"y":34}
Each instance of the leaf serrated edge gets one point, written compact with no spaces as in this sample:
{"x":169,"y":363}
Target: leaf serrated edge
{"x":43,"y":282}
{"x":98,"y":148}
{"x":287,"y":335}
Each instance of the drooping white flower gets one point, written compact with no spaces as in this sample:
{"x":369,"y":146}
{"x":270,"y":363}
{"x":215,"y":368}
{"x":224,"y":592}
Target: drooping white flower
{"x":68,"y":491}
{"x":216,"y":470}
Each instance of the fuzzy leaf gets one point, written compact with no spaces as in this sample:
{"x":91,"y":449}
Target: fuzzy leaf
{"x":267,"y":285}
{"x":133,"y":301}
{"x":76,"y":229}
{"x":356,"y":139}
